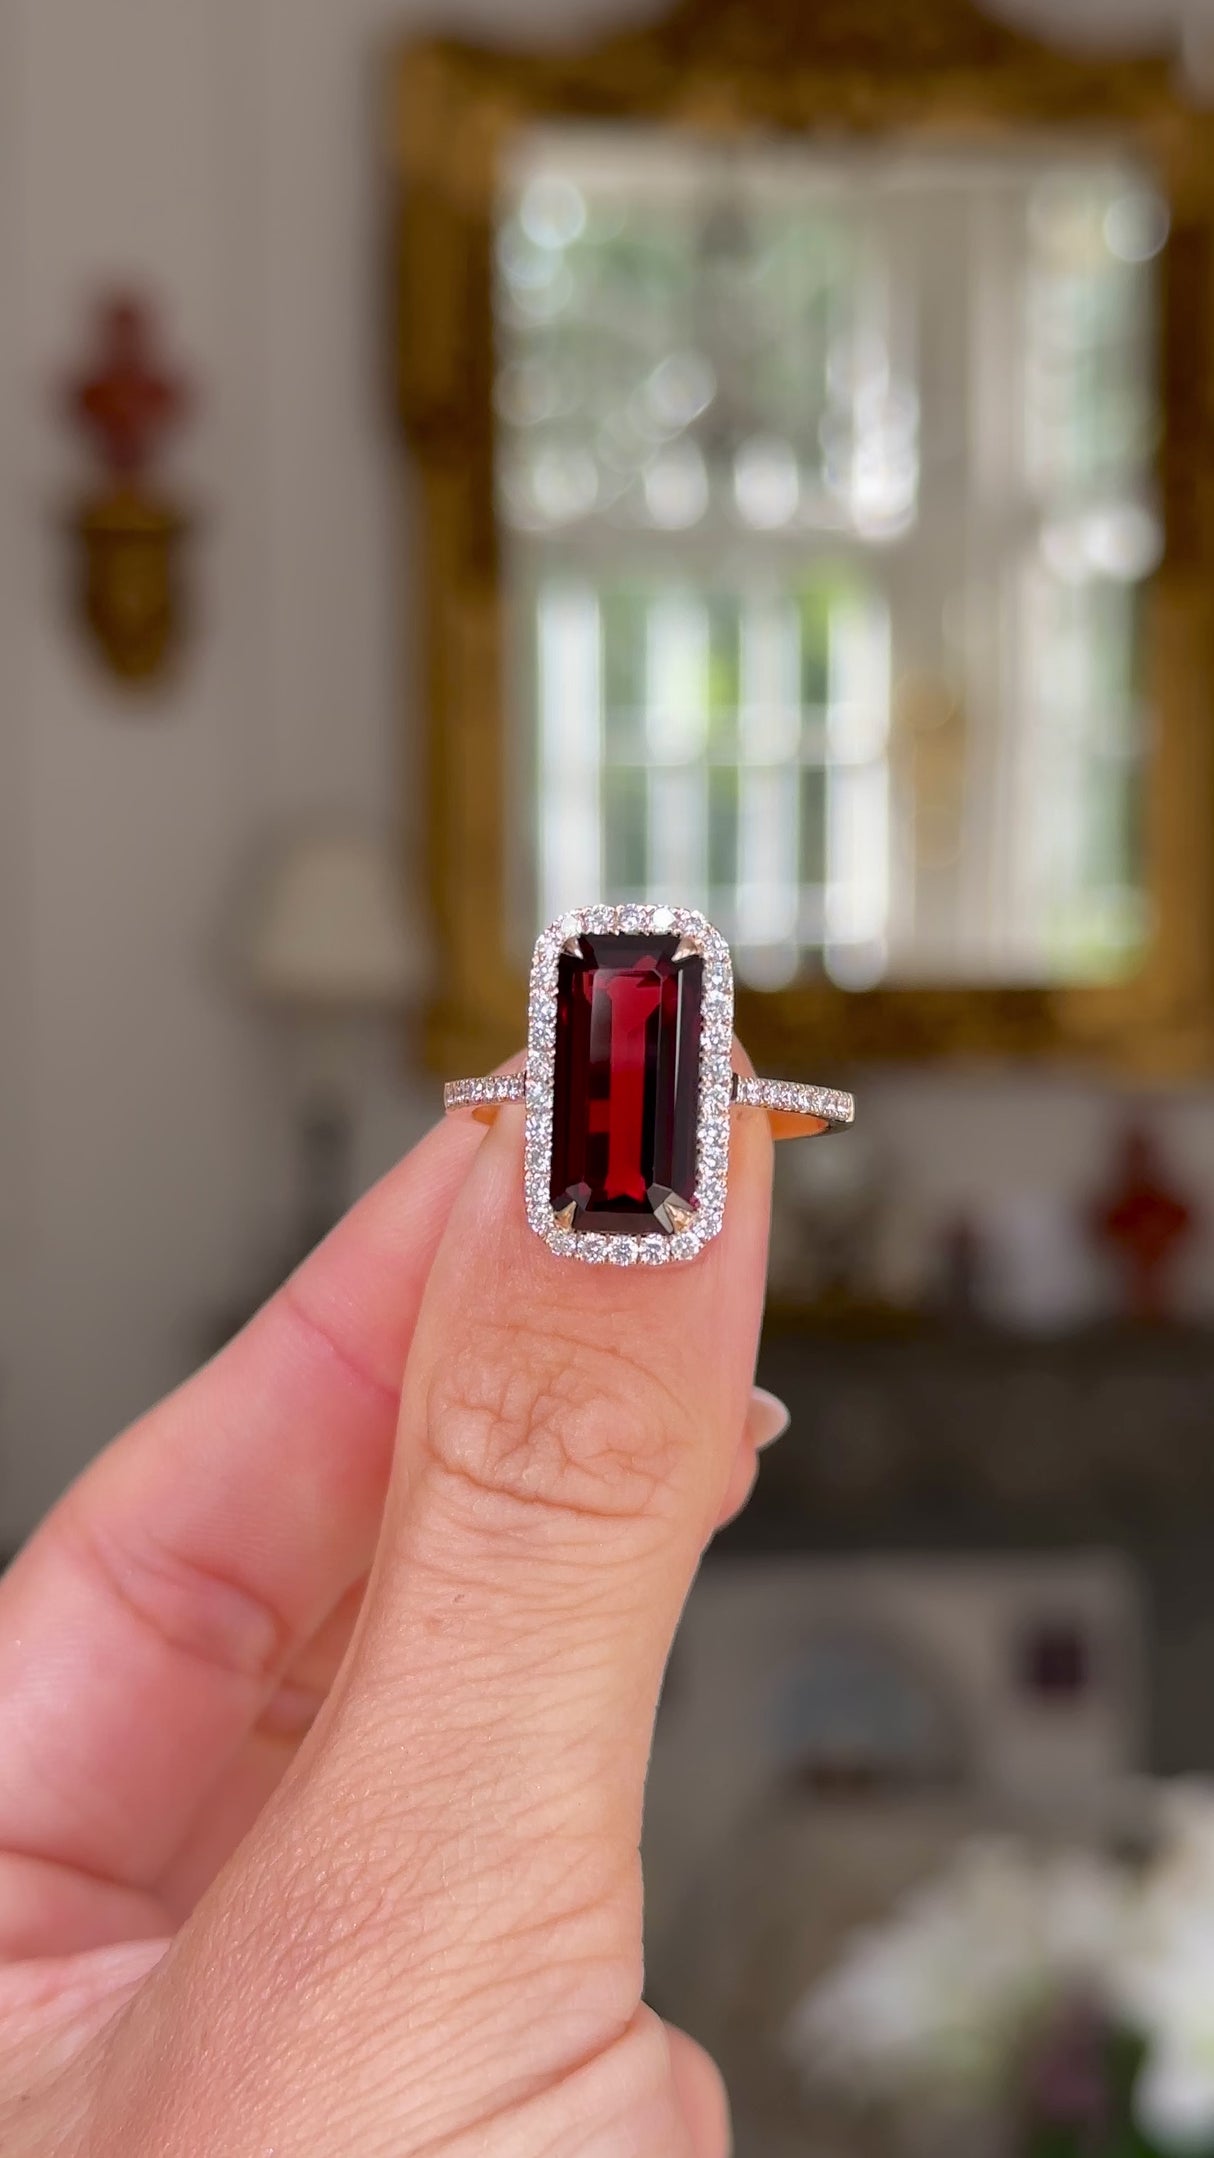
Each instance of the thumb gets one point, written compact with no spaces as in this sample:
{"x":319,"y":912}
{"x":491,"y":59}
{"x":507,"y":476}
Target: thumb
{"x":457,"y":1856}
{"x":567,"y":1436}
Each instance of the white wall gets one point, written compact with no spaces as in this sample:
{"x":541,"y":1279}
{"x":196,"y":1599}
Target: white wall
{"x":224,"y":154}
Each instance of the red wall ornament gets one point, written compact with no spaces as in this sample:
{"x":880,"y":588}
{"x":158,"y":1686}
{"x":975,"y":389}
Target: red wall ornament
{"x":1144,"y":1223}
{"x":128,"y":530}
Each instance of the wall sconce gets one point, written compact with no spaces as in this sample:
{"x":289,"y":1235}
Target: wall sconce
{"x":128,"y":532}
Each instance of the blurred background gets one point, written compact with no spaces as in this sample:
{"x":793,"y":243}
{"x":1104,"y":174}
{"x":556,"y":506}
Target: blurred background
{"x":443,"y":484}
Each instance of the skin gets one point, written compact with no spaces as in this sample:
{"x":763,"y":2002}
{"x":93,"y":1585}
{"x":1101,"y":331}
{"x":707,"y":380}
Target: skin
{"x":325,"y":1706}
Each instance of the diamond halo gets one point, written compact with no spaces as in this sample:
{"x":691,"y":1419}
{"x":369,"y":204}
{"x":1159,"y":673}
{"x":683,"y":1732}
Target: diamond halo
{"x":715,"y":1089}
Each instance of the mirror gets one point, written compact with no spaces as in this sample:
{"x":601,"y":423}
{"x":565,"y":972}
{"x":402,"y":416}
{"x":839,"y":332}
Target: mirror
{"x":828,"y":484}
{"x":810,"y":415}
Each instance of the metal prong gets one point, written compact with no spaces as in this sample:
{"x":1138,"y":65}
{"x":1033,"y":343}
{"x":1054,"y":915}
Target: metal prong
{"x":566,"y":1215}
{"x":573,"y":946}
{"x":674,"y":1214}
{"x":687,"y":948}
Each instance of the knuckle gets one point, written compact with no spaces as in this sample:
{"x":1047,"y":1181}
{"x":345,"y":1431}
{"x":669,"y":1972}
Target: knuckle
{"x":526,"y":1417}
{"x":191,"y":1606}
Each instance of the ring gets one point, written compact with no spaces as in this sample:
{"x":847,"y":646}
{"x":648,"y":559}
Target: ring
{"x":629,"y":1084}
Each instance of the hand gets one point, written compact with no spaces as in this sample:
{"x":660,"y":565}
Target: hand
{"x":297,"y":1861}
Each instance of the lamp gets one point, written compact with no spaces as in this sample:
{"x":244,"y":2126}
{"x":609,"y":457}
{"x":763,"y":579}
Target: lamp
{"x":330,"y":933}
{"x":329,"y":944}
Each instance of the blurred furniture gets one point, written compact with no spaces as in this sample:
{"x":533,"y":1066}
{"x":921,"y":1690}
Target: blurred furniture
{"x":802,"y":399}
{"x":832,"y":1728}
{"x":328,"y":945}
{"x":919,"y":1437}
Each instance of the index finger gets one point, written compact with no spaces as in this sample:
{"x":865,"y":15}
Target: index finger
{"x":149,"y":1620}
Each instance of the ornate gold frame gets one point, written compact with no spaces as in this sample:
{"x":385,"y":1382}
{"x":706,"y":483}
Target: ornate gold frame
{"x":918,"y":68}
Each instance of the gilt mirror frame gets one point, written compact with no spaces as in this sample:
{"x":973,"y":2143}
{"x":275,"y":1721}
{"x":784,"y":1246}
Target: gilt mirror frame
{"x":920,"y":71}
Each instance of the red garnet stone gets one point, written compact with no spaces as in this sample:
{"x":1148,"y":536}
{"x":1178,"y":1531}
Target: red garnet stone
{"x":627,"y":1084}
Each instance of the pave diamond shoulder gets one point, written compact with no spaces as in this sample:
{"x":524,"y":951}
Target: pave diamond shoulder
{"x":795,"y":1098}
{"x":473,"y":1093}
{"x":715,"y":1084}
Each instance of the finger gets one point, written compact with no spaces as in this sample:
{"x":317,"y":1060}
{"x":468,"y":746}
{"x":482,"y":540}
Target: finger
{"x":767,"y":1419}
{"x":739,"y":1491}
{"x":702,"y":2096}
{"x":305,"y":1686}
{"x":147,"y":1625}
{"x":568,"y":1433}
{"x":253,"y":1776}
{"x":468,"y":1807}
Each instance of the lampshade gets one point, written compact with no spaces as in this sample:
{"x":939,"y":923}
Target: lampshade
{"x":330,"y":926}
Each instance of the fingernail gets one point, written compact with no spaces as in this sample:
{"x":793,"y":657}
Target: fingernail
{"x":767,"y":1418}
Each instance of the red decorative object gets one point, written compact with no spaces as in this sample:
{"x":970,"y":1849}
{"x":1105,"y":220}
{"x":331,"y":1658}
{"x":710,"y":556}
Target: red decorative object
{"x":1145,"y":1223}
{"x":128,"y":533}
{"x":128,"y":400}
{"x":626,"y":1084}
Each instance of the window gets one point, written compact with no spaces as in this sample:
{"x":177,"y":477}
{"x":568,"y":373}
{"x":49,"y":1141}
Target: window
{"x":827,"y":487}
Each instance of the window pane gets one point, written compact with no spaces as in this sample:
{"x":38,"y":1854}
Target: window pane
{"x":830,"y":476}
{"x":626,"y":832}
